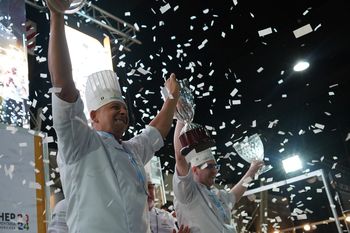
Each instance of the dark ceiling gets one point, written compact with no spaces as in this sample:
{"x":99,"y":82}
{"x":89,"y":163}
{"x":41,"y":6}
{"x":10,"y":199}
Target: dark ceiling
{"x":297,"y":102}
{"x":286,"y":108}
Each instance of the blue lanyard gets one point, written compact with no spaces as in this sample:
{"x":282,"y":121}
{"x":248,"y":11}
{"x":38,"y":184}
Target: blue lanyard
{"x":140,"y":176}
{"x":218,"y":204}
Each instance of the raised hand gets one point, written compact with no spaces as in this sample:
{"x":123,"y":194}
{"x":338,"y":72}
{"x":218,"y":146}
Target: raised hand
{"x":58,"y":6}
{"x":255,"y":165}
{"x":173,"y":86}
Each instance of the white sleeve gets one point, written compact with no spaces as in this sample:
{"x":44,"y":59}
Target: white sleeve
{"x":184,"y":187}
{"x":73,"y":132}
{"x":145,"y":144}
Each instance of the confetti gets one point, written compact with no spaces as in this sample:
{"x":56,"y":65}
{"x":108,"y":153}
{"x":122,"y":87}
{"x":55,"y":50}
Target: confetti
{"x":302,"y":31}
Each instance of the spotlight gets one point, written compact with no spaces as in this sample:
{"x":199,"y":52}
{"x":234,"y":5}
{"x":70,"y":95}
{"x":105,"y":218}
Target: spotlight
{"x":307,"y":227}
{"x":301,"y":65}
{"x":347,"y":218}
{"x":292,"y":164}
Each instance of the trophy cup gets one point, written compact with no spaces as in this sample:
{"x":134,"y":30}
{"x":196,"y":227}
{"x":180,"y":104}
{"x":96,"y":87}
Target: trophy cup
{"x":60,"y":5}
{"x":192,"y":135}
{"x":250,"y":149}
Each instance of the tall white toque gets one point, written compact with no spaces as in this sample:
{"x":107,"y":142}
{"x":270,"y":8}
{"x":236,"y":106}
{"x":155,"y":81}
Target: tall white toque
{"x":198,"y":158}
{"x":102,"y":88}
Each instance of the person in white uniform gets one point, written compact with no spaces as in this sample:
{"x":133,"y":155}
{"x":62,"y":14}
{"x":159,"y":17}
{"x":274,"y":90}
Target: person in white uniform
{"x":161,"y":221}
{"x":197,"y":203}
{"x":104,"y":178}
{"x":58,"y":222}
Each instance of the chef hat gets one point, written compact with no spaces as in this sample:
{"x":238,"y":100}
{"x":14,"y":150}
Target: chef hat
{"x":102,"y":88}
{"x":198,"y":158}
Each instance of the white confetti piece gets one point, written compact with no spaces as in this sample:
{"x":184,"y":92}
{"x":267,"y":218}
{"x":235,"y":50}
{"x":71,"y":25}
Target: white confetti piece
{"x":203,"y":44}
{"x":49,"y":183}
{"x":253,"y":124}
{"x":48,"y":139}
{"x":301,"y":216}
{"x":236,"y":102}
{"x":302,"y":31}
{"x":260,"y":70}
{"x":9,"y":171}
{"x":317,"y":27}
{"x":143,"y":71}
{"x":165,"y":8}
{"x":23,"y":144}
{"x":320,"y":126}
{"x":55,"y":90}
{"x":234,"y":92}
{"x":265,"y":32}
{"x":57,"y":190}
{"x":347,"y":137}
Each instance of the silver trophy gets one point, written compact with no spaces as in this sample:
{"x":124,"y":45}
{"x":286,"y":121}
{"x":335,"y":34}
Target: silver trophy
{"x":250,"y":149}
{"x":192,"y":135}
{"x":67,"y":6}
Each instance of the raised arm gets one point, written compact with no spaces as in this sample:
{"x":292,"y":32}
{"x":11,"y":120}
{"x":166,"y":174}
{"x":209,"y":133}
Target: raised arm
{"x":182,"y":166}
{"x":164,"y":118}
{"x":60,"y":66}
{"x":239,"y":189}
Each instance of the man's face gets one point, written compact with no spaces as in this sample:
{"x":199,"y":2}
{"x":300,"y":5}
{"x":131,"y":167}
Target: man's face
{"x":206,"y":173}
{"x":151,"y":195}
{"x":112,"y":118}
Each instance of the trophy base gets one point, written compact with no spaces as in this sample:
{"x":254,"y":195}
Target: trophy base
{"x":197,"y":139}
{"x":199,"y":147}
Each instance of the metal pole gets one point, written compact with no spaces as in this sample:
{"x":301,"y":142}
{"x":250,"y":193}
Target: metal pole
{"x":331,"y":203}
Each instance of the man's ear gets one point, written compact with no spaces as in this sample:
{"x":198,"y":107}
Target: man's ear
{"x":194,"y":169}
{"x":93,"y":116}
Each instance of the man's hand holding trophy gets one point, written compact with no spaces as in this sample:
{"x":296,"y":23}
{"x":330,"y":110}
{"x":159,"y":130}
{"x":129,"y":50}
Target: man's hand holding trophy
{"x":66,"y":6}
{"x":192,"y":136}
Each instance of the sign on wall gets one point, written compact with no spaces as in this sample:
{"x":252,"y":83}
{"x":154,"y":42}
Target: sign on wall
{"x":22,"y":181}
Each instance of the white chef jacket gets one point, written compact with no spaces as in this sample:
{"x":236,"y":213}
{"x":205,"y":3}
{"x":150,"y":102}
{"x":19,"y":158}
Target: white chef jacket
{"x":103,"y":181}
{"x":161,"y":221}
{"x":58,"y":222}
{"x":203,"y":210}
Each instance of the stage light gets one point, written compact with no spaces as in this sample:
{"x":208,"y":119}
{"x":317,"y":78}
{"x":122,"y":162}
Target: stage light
{"x":292,"y":164}
{"x":307,"y":227}
{"x":347,"y":218}
{"x":300,"y":66}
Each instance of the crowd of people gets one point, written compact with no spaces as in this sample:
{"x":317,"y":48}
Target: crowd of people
{"x":103,"y":177}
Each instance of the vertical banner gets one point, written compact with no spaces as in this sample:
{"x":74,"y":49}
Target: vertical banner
{"x":13,"y":63}
{"x":22,"y":182}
